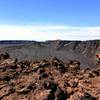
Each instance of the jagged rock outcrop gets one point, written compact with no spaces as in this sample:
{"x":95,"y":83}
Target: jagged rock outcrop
{"x":48,"y":80}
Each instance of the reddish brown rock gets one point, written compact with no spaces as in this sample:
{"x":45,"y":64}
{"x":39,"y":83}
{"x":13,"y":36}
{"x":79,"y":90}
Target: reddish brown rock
{"x":47,"y":80}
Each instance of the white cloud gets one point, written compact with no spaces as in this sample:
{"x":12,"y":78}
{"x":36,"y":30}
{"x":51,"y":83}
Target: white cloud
{"x":48,"y":32}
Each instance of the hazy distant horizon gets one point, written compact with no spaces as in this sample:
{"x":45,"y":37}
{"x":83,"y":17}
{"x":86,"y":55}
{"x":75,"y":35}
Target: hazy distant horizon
{"x":42,"y":20}
{"x":48,"y":40}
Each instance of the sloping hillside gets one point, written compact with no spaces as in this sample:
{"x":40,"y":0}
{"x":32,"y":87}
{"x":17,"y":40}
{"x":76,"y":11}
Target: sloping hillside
{"x":83,"y":51}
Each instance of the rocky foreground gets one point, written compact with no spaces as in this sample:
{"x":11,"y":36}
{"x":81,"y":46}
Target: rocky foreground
{"x":47,"y":80}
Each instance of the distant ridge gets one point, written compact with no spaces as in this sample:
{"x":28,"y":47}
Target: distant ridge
{"x":84,"y":51}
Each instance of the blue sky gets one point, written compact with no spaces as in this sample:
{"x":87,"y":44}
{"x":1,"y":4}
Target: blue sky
{"x":54,"y":19}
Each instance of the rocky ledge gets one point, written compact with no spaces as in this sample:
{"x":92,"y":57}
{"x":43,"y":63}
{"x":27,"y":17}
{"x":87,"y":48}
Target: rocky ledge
{"x":47,"y":80}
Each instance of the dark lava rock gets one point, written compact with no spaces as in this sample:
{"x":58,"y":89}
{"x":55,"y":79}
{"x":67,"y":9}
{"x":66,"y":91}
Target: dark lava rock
{"x":51,"y":96}
{"x":40,"y":71}
{"x":61,"y":68}
{"x":88,"y":96}
{"x":43,"y":75}
{"x":4,"y":56}
{"x":50,"y":85}
{"x":60,"y":94}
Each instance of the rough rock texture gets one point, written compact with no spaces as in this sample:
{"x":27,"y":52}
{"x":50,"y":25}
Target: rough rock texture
{"x":83,"y":51}
{"x":48,"y":80}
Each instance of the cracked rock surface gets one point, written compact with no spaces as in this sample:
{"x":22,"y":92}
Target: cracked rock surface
{"x":47,"y":80}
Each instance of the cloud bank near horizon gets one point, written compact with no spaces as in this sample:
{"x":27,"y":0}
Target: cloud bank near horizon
{"x":48,"y":32}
